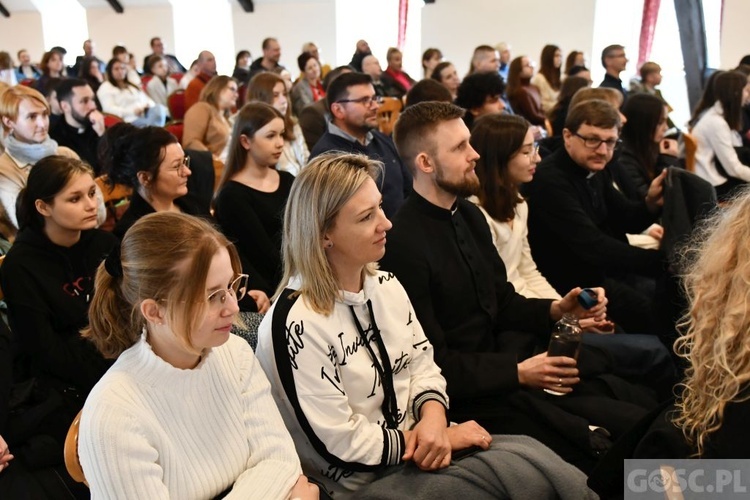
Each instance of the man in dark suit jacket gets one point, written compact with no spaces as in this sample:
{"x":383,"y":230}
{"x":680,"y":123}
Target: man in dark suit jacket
{"x":157,"y":48}
{"x":578,"y":220}
{"x":483,"y":332}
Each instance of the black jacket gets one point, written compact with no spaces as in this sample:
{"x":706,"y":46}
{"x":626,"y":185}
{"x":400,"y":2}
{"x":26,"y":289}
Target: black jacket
{"x":139,"y":207}
{"x":577,"y":226}
{"x":48,"y":289}
{"x":459,"y":289}
{"x":84,"y":141}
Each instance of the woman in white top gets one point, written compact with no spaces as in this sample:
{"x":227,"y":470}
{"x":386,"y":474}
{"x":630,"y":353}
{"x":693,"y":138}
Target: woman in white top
{"x":717,"y":134}
{"x":185,"y":412}
{"x":120,"y":97}
{"x":508,"y":158}
{"x":547,"y":78}
{"x":161,"y":85}
{"x":270,"y":88}
{"x":350,"y":366}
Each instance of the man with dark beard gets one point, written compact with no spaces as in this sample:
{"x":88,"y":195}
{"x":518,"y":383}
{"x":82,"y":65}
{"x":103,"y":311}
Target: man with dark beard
{"x":485,"y":335}
{"x":82,"y":124}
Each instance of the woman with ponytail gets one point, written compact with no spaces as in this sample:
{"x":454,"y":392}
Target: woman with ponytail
{"x":48,"y":279}
{"x":186,"y":410}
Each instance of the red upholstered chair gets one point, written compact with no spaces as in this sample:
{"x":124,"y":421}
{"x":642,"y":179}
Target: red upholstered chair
{"x":175,"y":127}
{"x":27,"y":82}
{"x":176,"y":76}
{"x":111,"y":120}
{"x":176,"y":104}
{"x":144,"y":81}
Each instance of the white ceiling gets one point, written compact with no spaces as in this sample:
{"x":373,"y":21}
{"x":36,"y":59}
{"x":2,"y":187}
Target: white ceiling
{"x":28,"y":5}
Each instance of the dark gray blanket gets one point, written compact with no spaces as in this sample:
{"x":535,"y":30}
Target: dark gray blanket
{"x":515,"y":467}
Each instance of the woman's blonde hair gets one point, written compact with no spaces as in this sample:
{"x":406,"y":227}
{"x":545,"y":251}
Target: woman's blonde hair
{"x":715,"y":328}
{"x":165,"y":256}
{"x":316,"y":198}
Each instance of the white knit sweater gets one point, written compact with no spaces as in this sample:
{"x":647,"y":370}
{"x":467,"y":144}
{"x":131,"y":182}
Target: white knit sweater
{"x":150,"y":430}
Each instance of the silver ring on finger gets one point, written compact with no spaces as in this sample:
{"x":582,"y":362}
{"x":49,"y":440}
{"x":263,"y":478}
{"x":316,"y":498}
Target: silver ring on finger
{"x":559,"y":382}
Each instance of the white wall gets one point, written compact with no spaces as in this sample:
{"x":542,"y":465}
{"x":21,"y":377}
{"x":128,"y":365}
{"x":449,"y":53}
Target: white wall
{"x":132,"y":29}
{"x":623,"y":28}
{"x":373,"y":20}
{"x":293,"y":23}
{"x":209,"y":29}
{"x":734,"y":43}
{"x":23,"y":31}
{"x":457,"y":27}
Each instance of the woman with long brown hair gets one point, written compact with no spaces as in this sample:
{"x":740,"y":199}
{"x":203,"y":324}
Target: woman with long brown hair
{"x":270,"y":88}
{"x":252,"y":194}
{"x":547,"y":78}
{"x":207,"y":126}
{"x":120,"y":97}
{"x":524,"y":96}
{"x":717,"y":132}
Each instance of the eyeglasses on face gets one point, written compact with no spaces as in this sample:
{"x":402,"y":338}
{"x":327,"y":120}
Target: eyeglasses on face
{"x":366,"y":100}
{"x":595,"y":142}
{"x":533,"y":152}
{"x":185,"y":165}
{"x":237,"y":289}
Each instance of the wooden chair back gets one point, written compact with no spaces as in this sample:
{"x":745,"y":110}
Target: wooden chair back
{"x":388,"y":114}
{"x":2,"y":295}
{"x":218,"y":170}
{"x":691,"y":146}
{"x":72,"y":461}
{"x":112,"y":193}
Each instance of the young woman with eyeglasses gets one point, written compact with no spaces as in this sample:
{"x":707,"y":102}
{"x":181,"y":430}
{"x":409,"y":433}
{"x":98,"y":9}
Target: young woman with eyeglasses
{"x":185,"y":411}
{"x":48,"y":281}
{"x":351,"y":368}
{"x":251,"y":195}
{"x":151,"y":162}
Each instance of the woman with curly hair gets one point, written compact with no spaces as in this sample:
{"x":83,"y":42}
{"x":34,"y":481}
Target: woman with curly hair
{"x":713,"y":409}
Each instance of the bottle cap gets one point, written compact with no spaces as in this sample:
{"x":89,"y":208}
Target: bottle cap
{"x":587,"y":298}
